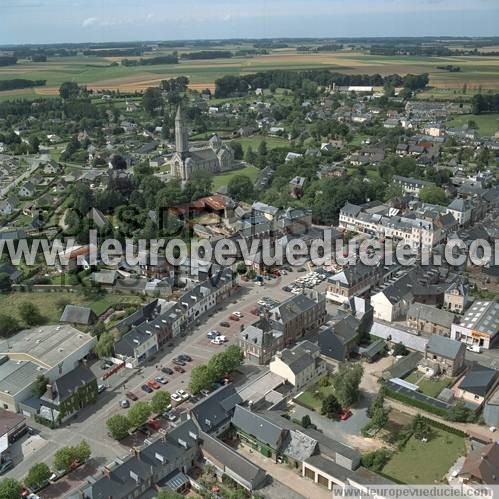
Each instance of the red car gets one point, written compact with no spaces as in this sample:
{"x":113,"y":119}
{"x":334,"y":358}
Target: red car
{"x":234,"y":318}
{"x":131,"y":396}
{"x":153,"y":384}
{"x":179,"y":369}
{"x":344,"y":415}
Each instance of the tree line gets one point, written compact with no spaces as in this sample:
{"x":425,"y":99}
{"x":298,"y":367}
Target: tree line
{"x":7,"y":60}
{"x":151,"y":61}
{"x":16,"y":83}
{"x":208,"y":54}
{"x":232,"y":86}
{"x":488,"y":103}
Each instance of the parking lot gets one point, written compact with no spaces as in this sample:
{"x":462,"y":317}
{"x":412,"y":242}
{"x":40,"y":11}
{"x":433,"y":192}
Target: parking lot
{"x":90,"y":423}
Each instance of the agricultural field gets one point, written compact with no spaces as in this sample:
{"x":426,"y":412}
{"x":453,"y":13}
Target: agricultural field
{"x":98,"y":73}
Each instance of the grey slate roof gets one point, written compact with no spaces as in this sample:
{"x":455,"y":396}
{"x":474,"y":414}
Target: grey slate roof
{"x":479,"y":380}
{"x":431,"y":314}
{"x":77,"y":315}
{"x":262,"y":429}
{"x":444,"y":347}
{"x":237,"y":463}
{"x":299,"y":357}
{"x":66,"y":385}
{"x":211,"y":412}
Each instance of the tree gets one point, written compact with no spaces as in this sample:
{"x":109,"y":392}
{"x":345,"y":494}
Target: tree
{"x":66,"y":457}
{"x":241,"y":268}
{"x":69,"y":90}
{"x":346,"y":383}
{"x":227,"y":361}
{"x":262,"y":149}
{"x":10,"y":489}
{"x":202,"y":377}
{"x":83,"y":198}
{"x":240,"y":188}
{"x":420,"y":427}
{"x":433,"y":195}
{"x":105,"y":344}
{"x":37,"y":475}
{"x":376,"y":460}
{"x":5,"y":284}
{"x":118,"y":425}
{"x":330,"y":406}
{"x":139,"y":414}
{"x":160,"y":402}
{"x":8,"y":326}
{"x":459,"y":413}
{"x":238,"y":150}
{"x":40,"y":386}
{"x":250,"y":156}
{"x":30,"y":314}
{"x":152,"y":99}
{"x":400,"y":349}
{"x":306,"y":422}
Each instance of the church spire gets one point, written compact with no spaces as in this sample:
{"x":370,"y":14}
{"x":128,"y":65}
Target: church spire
{"x":181,"y":141}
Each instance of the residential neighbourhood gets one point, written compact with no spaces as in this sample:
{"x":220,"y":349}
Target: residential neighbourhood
{"x":151,"y":375}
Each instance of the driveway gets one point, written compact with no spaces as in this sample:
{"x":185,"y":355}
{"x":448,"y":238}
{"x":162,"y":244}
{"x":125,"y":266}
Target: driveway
{"x":281,"y":472}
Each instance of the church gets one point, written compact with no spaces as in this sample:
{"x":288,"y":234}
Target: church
{"x":215,"y":157}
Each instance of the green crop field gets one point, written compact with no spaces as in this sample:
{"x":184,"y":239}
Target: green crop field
{"x":98,"y":72}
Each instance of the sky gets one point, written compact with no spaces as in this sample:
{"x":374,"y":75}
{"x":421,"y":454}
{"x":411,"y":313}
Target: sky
{"x":52,"y":21}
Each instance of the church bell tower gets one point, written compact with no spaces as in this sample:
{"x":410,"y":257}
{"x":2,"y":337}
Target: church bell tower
{"x":181,"y":139}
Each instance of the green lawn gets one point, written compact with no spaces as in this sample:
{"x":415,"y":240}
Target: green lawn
{"x":488,"y":124}
{"x":223,"y":178}
{"x":47,"y":303}
{"x":430,"y":387}
{"x":426,"y":463}
{"x":310,"y":399}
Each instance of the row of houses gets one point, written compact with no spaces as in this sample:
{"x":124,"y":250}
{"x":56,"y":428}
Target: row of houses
{"x":159,"y":326}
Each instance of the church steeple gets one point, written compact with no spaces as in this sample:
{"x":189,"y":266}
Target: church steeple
{"x":181,"y":140}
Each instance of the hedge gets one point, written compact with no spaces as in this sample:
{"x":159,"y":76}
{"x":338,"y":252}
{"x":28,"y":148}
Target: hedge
{"x":443,"y":426}
{"x":415,"y":403}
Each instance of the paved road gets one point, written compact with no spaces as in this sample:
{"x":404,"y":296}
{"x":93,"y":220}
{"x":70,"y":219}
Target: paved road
{"x":90,"y":424}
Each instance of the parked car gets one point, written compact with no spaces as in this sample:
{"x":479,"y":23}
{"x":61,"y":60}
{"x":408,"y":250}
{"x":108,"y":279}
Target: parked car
{"x":474,"y":348}
{"x":178,"y":361}
{"x":153,"y":384}
{"x":124,"y":404}
{"x":344,"y":415}
{"x":225,"y":324}
{"x":176,"y":397}
{"x":238,"y":314}
{"x":56,"y":475}
{"x":183,"y":394}
{"x":212,"y":335}
{"x":205,"y":392}
{"x":131,"y":396}
{"x":286,"y":288}
{"x":161,"y":380}
{"x":217,"y":341}
{"x":185,"y":357}
{"x":6,"y":465}
{"x":234,"y":318}
{"x":167,"y":370}
{"x":171,"y":416}
{"x":100,"y":388}
{"x":146,"y":389}
{"x":179,"y":369}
